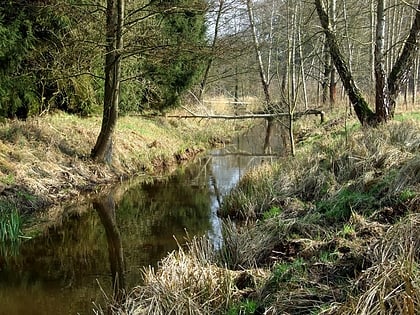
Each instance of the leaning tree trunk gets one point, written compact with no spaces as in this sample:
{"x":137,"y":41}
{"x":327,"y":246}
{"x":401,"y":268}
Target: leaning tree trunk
{"x":333,"y":83}
{"x":114,"y":23}
{"x":361,"y":108}
{"x":203,"y":82}
{"x":399,"y":73}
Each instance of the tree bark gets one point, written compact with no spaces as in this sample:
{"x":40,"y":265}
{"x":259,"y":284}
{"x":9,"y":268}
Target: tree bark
{"x":415,"y":74}
{"x":257,"y":48}
{"x":327,"y":73}
{"x":399,"y":73}
{"x":381,"y":87}
{"x":333,"y":83}
{"x":102,"y":151}
{"x":361,"y":108}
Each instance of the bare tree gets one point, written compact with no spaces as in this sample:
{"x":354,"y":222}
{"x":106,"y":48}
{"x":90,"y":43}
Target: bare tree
{"x":114,"y":44}
{"x":213,"y":47}
{"x":381,"y":88}
{"x":262,"y":72}
{"x":388,"y":89}
{"x":399,"y":73}
{"x":263,"y":76}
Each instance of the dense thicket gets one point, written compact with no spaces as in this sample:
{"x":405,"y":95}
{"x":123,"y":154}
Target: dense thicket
{"x":180,"y":62}
{"x":51,"y":55}
{"x":30,"y":37}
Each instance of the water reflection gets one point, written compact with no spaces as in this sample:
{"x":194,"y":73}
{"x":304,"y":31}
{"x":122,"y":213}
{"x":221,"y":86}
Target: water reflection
{"x":105,"y":207}
{"x":119,"y":232}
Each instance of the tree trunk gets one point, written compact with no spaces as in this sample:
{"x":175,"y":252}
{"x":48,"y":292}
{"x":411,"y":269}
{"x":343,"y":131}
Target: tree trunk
{"x":333,"y":83}
{"x":302,"y":68}
{"x":399,"y":73}
{"x":361,"y":108}
{"x":415,"y":73}
{"x":257,"y":48}
{"x":213,"y":49}
{"x":327,"y":72}
{"x":102,"y":151}
{"x":381,"y":88}
{"x":263,"y":76}
{"x":372,"y":38}
{"x":333,"y":88}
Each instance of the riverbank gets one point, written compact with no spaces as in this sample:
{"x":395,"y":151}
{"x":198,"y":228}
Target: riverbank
{"x":332,"y":231}
{"x":45,"y":160}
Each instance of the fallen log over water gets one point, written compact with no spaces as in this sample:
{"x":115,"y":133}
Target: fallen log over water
{"x":254,"y":116}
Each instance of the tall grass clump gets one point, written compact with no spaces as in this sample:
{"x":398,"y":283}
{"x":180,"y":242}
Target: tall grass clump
{"x":256,"y":192}
{"x":184,"y":283}
{"x":10,"y":228}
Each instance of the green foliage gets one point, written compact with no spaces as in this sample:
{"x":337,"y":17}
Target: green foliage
{"x":340,"y":206}
{"x":40,"y":54}
{"x":16,"y":40}
{"x":327,"y":257}
{"x":272,"y":213}
{"x":347,"y":231}
{"x":247,"y":307}
{"x":32,"y":57}
{"x":8,"y":179}
{"x":285,"y":272}
{"x":177,"y":68}
{"x":10,"y":228}
{"x":407,"y":194}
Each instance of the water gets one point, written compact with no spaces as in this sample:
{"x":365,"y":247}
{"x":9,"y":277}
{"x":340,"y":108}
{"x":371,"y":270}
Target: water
{"x":66,"y":268}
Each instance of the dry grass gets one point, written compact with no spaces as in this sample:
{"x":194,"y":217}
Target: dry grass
{"x":48,"y":157}
{"x":392,"y":284}
{"x":185,"y":283}
{"x":381,"y":166}
{"x":361,"y":160}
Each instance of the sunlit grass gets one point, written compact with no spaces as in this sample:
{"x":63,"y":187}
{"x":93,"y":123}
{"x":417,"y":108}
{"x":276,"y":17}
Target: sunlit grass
{"x":49,"y":156}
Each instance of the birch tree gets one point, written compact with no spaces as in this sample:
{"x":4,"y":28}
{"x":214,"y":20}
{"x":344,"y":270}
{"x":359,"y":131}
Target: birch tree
{"x":264,"y":79}
{"x":387,"y":88}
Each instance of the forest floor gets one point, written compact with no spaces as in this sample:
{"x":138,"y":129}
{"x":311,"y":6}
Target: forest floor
{"x":333,"y":230}
{"x":46,"y":160}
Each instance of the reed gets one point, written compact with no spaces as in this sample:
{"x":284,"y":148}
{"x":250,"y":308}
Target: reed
{"x":10,"y":229}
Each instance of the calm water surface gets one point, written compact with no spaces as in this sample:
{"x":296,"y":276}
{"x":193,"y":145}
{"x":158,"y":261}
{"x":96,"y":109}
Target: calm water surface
{"x":66,"y":268}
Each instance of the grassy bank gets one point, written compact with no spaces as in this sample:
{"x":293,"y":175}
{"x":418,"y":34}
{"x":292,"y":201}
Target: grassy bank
{"x":46,"y":160}
{"x":332,"y":231}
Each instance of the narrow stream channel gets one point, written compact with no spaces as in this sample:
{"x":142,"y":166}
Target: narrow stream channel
{"x":66,"y":269}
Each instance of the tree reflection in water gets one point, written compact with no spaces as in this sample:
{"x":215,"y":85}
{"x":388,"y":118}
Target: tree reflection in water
{"x":105,"y":207}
